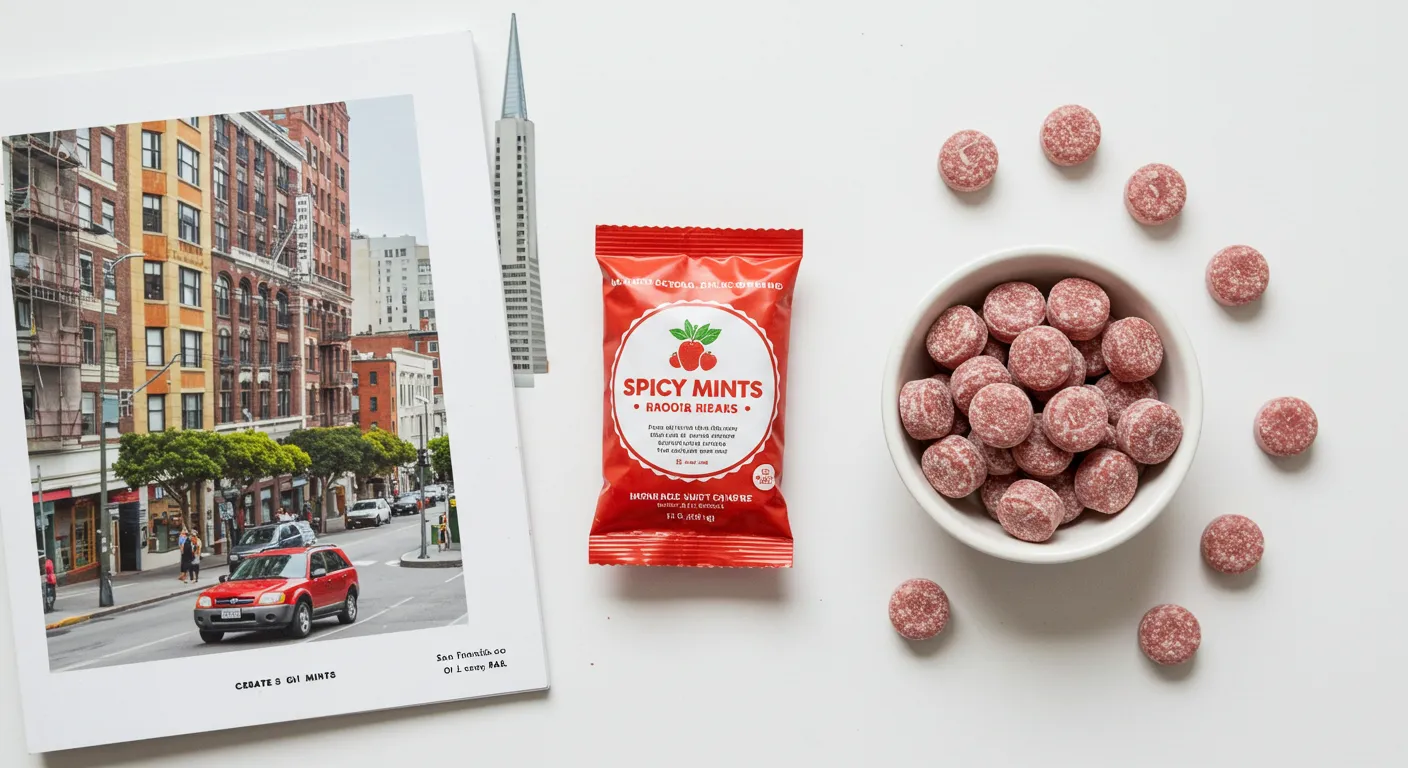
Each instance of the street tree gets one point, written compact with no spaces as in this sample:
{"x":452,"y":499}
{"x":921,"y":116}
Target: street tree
{"x":333,"y":453}
{"x":251,"y":456}
{"x":385,"y":453}
{"x":439,"y":448}
{"x":179,"y":461}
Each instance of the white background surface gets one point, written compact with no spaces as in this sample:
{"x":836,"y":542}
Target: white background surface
{"x":1286,"y":121}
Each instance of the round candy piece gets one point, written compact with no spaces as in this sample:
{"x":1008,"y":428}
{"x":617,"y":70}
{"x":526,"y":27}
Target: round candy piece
{"x":1132,"y":349}
{"x":1169,"y":634}
{"x":944,"y":377}
{"x":993,"y":489}
{"x":954,"y":467}
{"x":1106,"y":480}
{"x":999,"y":460}
{"x":926,"y":409}
{"x":1285,"y":426}
{"x":1076,"y":379}
{"x":968,"y":161}
{"x":1011,"y":308}
{"x":996,"y":349}
{"x":1064,"y":485}
{"x":1078,"y":308}
{"x":1155,"y":194}
{"x":1119,"y":395}
{"x":1030,"y":511}
{"x":919,"y":609}
{"x":1109,"y":441}
{"x":1070,"y":135}
{"x":1075,"y":419}
{"x":1001,"y":415}
{"x":1232,"y":544}
{"x":1149,"y":431}
{"x":1094,"y":358}
{"x":974,"y":374}
{"x":1237,"y":275}
{"x":957,"y":335}
{"x":1037,"y":456}
{"x":1040,"y":358}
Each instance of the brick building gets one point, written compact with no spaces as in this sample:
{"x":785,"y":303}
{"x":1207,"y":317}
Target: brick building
{"x":425,"y":342}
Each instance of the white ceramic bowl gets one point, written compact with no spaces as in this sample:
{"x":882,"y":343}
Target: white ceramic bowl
{"x":1178,"y":381}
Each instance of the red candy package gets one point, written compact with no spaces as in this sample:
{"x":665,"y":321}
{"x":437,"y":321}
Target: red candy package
{"x":695,"y":362}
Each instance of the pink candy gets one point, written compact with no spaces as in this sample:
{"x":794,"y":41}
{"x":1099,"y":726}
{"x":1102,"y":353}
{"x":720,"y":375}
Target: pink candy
{"x":1286,"y":426}
{"x":1040,"y":358}
{"x":1232,"y":544}
{"x":1155,"y":194}
{"x":1001,"y":415}
{"x":919,"y":609}
{"x":973,"y":375}
{"x":1237,"y":275}
{"x":954,"y":467}
{"x":1169,"y":634}
{"x":1132,"y":349}
{"x":1076,"y":418}
{"x":1106,"y":481}
{"x":1030,"y":511}
{"x":1070,"y":135}
{"x":968,"y":161}
{"x":1078,"y":308}
{"x":926,"y":409}
{"x":957,"y":335}
{"x":1119,"y":395}
{"x":1011,"y":308}
{"x":1149,"y":431}
{"x":1037,"y":456}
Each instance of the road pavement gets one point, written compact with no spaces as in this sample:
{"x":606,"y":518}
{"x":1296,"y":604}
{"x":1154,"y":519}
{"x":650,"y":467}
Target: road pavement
{"x":393,"y":599}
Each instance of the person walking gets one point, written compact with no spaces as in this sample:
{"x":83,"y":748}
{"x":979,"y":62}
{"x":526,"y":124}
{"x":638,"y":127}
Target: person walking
{"x":51,"y":585}
{"x":186,"y":551}
{"x":195,"y":558}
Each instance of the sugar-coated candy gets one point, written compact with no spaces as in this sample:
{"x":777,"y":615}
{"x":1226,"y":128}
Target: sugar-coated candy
{"x":919,"y":609}
{"x":1106,"y":481}
{"x":1237,"y":275}
{"x":1169,"y":634}
{"x":1076,"y":379}
{"x":1286,"y":426}
{"x":926,"y":409}
{"x":957,"y":335}
{"x":1132,"y":349}
{"x":1075,"y":419}
{"x":1232,"y":544}
{"x":960,"y":424}
{"x":1037,"y":456}
{"x":954,"y":467}
{"x":1094,"y":358}
{"x":1011,"y":308}
{"x":1119,"y":395}
{"x":999,"y":460}
{"x":1064,"y":485}
{"x":1001,"y":415}
{"x":1149,"y":431}
{"x":1040,"y":358}
{"x":974,"y":374}
{"x":1078,"y":308}
{"x":1070,"y":135}
{"x":993,"y":489}
{"x":1030,"y":511}
{"x":997,"y":349}
{"x":968,"y":161}
{"x":1155,"y":194}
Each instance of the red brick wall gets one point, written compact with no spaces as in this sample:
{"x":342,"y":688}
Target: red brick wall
{"x":381,"y":344}
{"x":384,"y":390}
{"x":121,"y":321}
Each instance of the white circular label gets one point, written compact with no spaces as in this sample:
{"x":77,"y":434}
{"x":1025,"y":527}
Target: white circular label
{"x":694,"y":388}
{"x":764,"y":478}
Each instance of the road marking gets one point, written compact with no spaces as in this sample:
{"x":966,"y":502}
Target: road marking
{"x":392,"y":562}
{"x":452,"y":578}
{"x":323,"y":635}
{"x":83,"y":664}
{"x":461,"y":618}
{"x":360,"y":563}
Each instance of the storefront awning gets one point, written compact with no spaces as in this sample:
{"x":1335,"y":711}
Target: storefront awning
{"x":62,"y":493}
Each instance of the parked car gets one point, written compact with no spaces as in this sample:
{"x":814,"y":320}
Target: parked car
{"x":366,"y":512}
{"x":435,"y":492}
{"x":272,"y":536}
{"x":280,"y":590}
{"x":406,"y":504}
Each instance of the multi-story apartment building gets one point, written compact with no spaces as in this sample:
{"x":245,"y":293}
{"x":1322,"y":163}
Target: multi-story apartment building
{"x":516,"y":221}
{"x":382,"y":346}
{"x":67,"y":219}
{"x":321,"y":130}
{"x":392,"y":285}
{"x":264,"y":362}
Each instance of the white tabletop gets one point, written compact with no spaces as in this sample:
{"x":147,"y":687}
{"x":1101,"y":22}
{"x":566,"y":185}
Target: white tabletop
{"x":1286,"y":124}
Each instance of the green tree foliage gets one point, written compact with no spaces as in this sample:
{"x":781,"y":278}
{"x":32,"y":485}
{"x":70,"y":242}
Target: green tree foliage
{"x":251,"y":456}
{"x":179,"y":461}
{"x":385,"y":452}
{"x":439,"y":448}
{"x":333,"y":452}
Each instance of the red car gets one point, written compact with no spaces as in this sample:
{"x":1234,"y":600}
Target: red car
{"x":282,"y":589}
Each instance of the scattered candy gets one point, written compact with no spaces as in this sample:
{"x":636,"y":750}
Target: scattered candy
{"x":1076,"y":419}
{"x":1011,"y":308}
{"x":1040,"y":358}
{"x":954,"y":467}
{"x":1169,"y":634}
{"x":1106,"y":481}
{"x":1119,"y":395}
{"x":926,"y":409}
{"x":1001,"y":415}
{"x":1149,"y":431}
{"x":957,"y":335}
{"x":1286,"y":426}
{"x":1070,"y":135}
{"x":1232,"y":544}
{"x":968,"y":161}
{"x":1030,"y":511}
{"x":919,"y":609}
{"x":1132,"y":349}
{"x":1078,"y":308}
{"x":974,"y":374}
{"x":1155,"y":194}
{"x":1037,"y":456}
{"x":1237,"y":275}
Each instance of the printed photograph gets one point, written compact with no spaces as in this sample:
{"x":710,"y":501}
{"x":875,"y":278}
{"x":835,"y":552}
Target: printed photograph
{"x":230,"y":375}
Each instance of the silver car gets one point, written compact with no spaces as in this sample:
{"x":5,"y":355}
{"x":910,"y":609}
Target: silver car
{"x":366,"y":512}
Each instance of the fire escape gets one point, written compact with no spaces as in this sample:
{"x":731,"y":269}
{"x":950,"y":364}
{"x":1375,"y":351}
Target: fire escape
{"x":44,"y":218}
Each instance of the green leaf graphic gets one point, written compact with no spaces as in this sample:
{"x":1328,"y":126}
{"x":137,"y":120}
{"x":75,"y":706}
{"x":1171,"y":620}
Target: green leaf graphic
{"x":677,"y":333}
{"x":701,"y":331}
{"x":709,"y":337}
{"x":689,"y":329}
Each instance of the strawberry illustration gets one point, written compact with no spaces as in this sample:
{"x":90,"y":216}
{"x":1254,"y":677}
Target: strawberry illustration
{"x":693,"y":338}
{"x":707,"y":361}
{"x":674,"y":359}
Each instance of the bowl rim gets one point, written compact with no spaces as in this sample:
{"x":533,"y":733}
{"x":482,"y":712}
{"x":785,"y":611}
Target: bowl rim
{"x":897,"y":441}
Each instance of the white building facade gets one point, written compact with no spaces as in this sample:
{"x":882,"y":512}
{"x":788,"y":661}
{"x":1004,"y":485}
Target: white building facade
{"x":391,"y":284}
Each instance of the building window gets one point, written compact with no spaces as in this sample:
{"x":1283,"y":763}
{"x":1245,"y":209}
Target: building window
{"x":85,"y":272}
{"x":434,"y":346}
{"x":156,"y":413}
{"x":342,"y":211}
{"x":190,"y":287}
{"x":156,"y":347}
{"x":283,"y":395}
{"x":263,"y":304}
{"x":281,"y":310}
{"x":264,"y":352}
{"x":85,"y":207}
{"x":194,"y":122}
{"x":222,"y":346}
{"x":222,"y":238}
{"x":373,"y":402}
{"x":220,"y":178}
{"x":222,"y":291}
{"x":86,"y":408}
{"x":260,"y":203}
{"x":190,"y":349}
{"x":152,"y":280}
{"x":29,"y":404}
{"x":263,"y":403}
{"x":85,"y":147}
{"x":372,"y":380}
{"x":189,"y":223}
{"x":90,"y":344}
{"x":192,"y":411}
{"x":341,"y":143}
{"x":109,"y":156}
{"x":244,"y":354}
{"x":243,"y":298}
{"x":151,"y":213}
{"x":437,"y":382}
{"x":187,"y":164}
{"x":151,"y":150}
{"x":22,"y":314}
{"x":110,"y":346}
{"x":109,"y":217}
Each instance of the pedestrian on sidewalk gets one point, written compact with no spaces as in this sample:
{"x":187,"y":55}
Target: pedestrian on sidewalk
{"x":444,"y":532}
{"x":187,"y":551}
{"x":195,"y":558}
{"x":51,"y":585}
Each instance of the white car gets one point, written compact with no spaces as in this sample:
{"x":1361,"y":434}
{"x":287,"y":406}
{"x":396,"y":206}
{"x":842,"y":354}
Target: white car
{"x":366,"y":512}
{"x":436,"y":492}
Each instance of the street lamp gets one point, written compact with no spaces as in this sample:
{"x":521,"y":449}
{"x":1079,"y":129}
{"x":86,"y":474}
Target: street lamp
{"x":104,"y":546}
{"x":423,"y":459}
